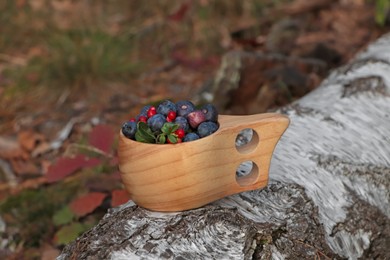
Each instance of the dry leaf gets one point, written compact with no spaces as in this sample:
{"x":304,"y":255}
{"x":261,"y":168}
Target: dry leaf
{"x":10,"y":148}
{"x":22,"y":167}
{"x":66,"y":166}
{"x":87,"y":203}
{"x":102,"y":137}
{"x":40,"y":149}
{"x":29,"y":139}
{"x":119,"y":197}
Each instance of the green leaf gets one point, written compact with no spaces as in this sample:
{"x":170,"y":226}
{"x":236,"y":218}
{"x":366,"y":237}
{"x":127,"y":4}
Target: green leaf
{"x":169,"y":128}
{"x":63,"y":216}
{"x":172,"y":138}
{"x":144,"y":133}
{"x":161,"y":139}
{"x":69,"y":233}
{"x":174,"y":128}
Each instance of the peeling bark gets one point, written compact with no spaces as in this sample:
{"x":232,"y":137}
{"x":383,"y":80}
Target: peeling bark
{"x":328,"y":198}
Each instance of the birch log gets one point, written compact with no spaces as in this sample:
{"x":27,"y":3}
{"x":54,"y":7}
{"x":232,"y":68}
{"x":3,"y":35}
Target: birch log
{"x":328,"y":198}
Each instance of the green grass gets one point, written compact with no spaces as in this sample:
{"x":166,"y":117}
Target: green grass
{"x":84,"y":57}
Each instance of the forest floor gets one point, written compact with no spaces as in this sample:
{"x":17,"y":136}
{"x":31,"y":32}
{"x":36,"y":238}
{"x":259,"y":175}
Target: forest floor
{"x":72,"y":72}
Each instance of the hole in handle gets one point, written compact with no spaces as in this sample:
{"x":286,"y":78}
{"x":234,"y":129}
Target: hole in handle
{"x":247,"y":141}
{"x":247,"y":173}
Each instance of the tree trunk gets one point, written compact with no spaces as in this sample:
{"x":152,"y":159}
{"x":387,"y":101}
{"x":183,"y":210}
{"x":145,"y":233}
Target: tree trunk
{"x":328,"y":196}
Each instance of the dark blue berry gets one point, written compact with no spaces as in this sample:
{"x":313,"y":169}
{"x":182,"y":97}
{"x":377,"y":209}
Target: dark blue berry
{"x":210,"y":112}
{"x":183,"y":123}
{"x":207,"y":128}
{"x":129,"y":129}
{"x":156,"y":122}
{"x":165,"y":107}
{"x":184,"y":107}
{"x":190,"y":137}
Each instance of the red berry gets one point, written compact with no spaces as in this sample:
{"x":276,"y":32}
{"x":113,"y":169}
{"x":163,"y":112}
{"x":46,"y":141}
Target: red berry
{"x":171,"y":115}
{"x":169,"y":120}
{"x":152,"y":108}
{"x":180,"y":133}
{"x":151,"y":113}
{"x":132,"y":120}
{"x":142,"y":119}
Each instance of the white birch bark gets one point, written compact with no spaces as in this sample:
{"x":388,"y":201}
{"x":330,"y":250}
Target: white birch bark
{"x":329,"y":194}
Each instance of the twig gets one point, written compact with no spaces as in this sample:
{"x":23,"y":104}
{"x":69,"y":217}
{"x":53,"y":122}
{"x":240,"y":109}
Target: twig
{"x":63,"y":134}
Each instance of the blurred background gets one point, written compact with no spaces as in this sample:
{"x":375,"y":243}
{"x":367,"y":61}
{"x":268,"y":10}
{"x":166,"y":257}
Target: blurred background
{"x":71,"y":72}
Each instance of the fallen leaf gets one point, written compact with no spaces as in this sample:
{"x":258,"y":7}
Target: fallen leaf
{"x":29,"y":139}
{"x":10,"y":148}
{"x":69,"y":233}
{"x":180,"y":13}
{"x":40,"y":149}
{"x":87,"y":203}
{"x":49,"y":252}
{"x":22,"y":167}
{"x":66,"y":166}
{"x":63,"y":216}
{"x":29,"y":184}
{"x":105,"y":183}
{"x":102,"y":137}
{"x":119,"y":197}
{"x":45,"y":164}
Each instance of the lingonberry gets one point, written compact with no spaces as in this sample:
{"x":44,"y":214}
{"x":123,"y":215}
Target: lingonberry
{"x":142,"y":119}
{"x":171,"y":115}
{"x":180,"y":133}
{"x":151,"y":112}
{"x":132,"y":120}
{"x":145,"y":109}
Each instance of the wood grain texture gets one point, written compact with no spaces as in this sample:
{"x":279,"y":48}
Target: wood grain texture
{"x":189,"y":175}
{"x":328,"y":195}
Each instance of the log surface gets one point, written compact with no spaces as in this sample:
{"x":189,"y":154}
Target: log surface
{"x":328,"y":196}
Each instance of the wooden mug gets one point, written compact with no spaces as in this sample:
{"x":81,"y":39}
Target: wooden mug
{"x":176,"y":177}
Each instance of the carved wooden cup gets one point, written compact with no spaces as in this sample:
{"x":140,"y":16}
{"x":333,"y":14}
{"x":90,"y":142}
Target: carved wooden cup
{"x":175,"y":177}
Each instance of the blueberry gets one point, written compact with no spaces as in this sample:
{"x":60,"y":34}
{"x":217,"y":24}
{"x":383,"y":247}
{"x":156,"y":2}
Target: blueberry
{"x":210,"y":112}
{"x":145,"y":109}
{"x":195,"y":118}
{"x":190,"y":137}
{"x":184,"y":107}
{"x":207,"y":128}
{"x":156,"y":122}
{"x":165,"y":107}
{"x":129,"y":129}
{"x":183,"y":123}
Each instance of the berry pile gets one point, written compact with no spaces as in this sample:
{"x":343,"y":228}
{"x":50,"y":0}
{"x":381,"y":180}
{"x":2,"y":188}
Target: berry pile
{"x":172,"y":123}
